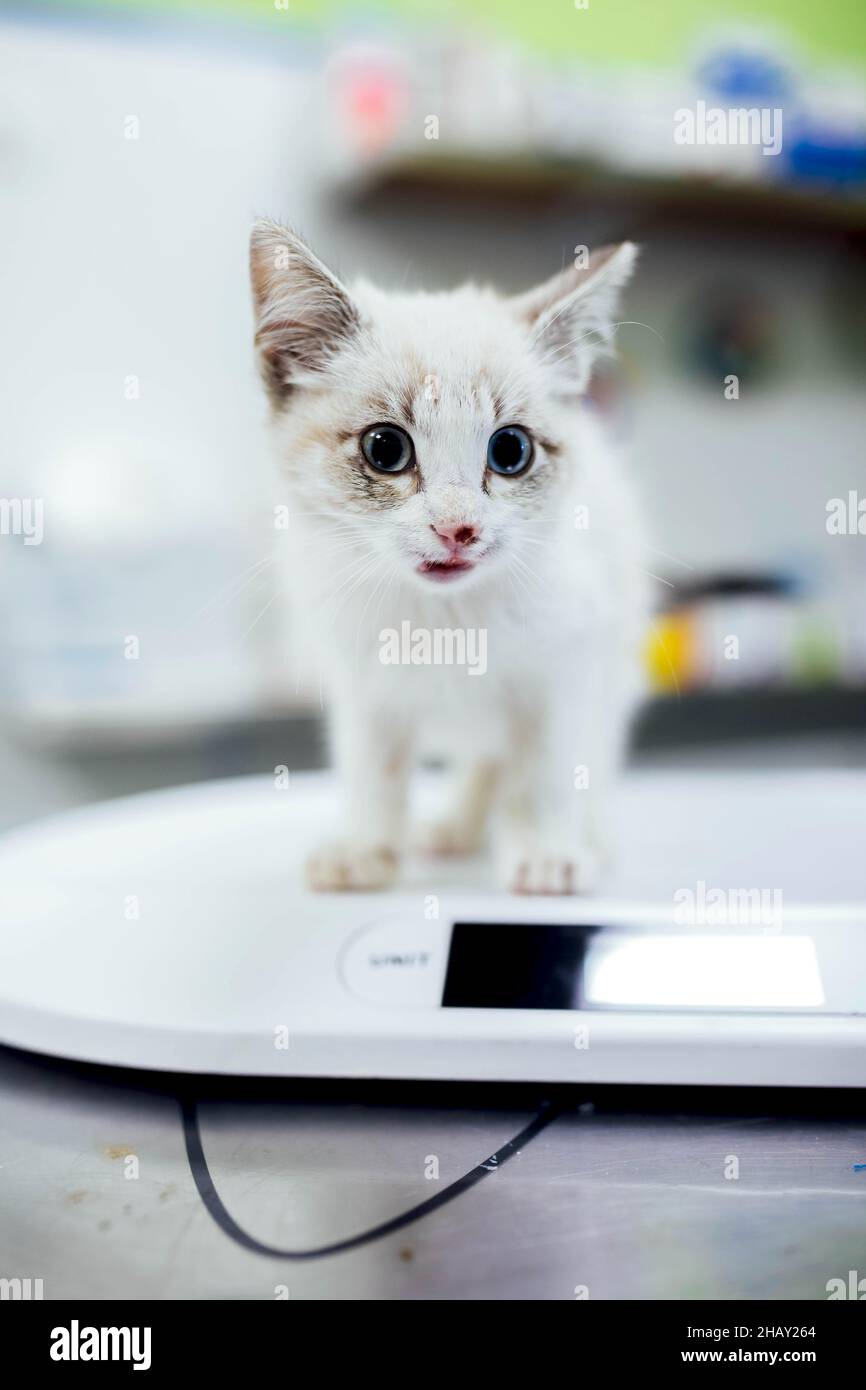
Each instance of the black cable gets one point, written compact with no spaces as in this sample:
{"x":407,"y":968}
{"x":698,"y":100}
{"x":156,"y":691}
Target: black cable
{"x":214,"y":1204}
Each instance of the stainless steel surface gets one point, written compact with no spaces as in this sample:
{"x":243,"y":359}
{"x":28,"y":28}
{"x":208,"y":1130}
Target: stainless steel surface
{"x":629,"y":1203}
{"x":625,"y":1203}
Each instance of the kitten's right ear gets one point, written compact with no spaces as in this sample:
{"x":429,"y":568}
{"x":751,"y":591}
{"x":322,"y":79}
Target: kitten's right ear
{"x":571,"y":316}
{"x":303,"y":313}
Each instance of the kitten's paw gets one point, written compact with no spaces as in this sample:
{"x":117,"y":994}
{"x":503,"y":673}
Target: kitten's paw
{"x":549,"y":869}
{"x":450,"y":835}
{"x":346,"y":866}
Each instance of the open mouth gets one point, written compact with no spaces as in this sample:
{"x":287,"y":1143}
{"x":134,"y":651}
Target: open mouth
{"x":444,"y":570}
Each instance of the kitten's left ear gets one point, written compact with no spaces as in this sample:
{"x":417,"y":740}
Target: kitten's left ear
{"x":303,"y":313}
{"x":571,"y":317}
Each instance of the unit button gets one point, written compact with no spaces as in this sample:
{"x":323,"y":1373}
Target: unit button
{"x":399,"y":961}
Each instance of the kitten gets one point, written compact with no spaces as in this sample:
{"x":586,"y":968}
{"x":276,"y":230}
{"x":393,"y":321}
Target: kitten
{"x":447,"y":478}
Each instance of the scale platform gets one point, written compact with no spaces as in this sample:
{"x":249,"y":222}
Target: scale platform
{"x":170,"y":932}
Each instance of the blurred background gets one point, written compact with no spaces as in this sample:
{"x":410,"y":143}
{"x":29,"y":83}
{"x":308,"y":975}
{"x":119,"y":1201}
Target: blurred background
{"x":143,"y":635}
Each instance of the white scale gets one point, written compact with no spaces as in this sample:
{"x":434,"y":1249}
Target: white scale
{"x":169,"y":932}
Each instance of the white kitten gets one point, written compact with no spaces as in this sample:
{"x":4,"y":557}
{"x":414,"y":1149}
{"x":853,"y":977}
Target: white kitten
{"x":483,"y":508}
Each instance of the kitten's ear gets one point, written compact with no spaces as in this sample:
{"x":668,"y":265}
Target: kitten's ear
{"x":303,"y":313}
{"x":571,"y":317}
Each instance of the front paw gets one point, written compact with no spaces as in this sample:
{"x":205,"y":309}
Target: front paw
{"x":347,"y":866}
{"x":530,"y":866}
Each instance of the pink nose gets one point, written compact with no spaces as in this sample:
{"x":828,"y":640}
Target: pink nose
{"x":461,"y":533}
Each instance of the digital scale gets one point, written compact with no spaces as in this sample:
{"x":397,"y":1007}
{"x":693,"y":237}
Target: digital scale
{"x":170,"y":932}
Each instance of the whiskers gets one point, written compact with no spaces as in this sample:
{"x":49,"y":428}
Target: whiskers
{"x":531,"y":588}
{"x":233,"y":588}
{"x":262,"y":611}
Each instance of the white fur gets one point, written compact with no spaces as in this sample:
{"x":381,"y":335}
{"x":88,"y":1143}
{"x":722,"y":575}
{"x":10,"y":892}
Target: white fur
{"x":563,"y":608}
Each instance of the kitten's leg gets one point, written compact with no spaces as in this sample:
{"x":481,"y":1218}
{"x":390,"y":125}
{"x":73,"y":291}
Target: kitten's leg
{"x":461,"y":831}
{"x":566,"y":751}
{"x":372,"y":754}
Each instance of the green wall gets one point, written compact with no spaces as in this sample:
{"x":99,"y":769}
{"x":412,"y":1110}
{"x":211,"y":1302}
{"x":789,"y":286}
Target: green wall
{"x":622,"y":30}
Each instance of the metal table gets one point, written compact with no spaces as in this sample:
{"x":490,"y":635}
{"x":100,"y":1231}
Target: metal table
{"x":610,"y":1196}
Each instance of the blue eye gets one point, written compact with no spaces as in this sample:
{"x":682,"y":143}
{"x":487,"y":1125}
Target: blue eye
{"x":387,"y":448}
{"x":509,"y":451}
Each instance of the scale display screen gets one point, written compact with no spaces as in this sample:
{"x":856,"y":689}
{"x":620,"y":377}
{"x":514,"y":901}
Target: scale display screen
{"x":523,"y":966}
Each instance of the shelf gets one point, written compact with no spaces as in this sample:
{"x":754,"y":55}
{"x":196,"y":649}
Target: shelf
{"x":719,"y":716}
{"x":547,"y":182}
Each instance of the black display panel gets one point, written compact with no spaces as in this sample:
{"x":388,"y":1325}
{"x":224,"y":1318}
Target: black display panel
{"x":515,"y":965}
{"x":522,"y":965}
